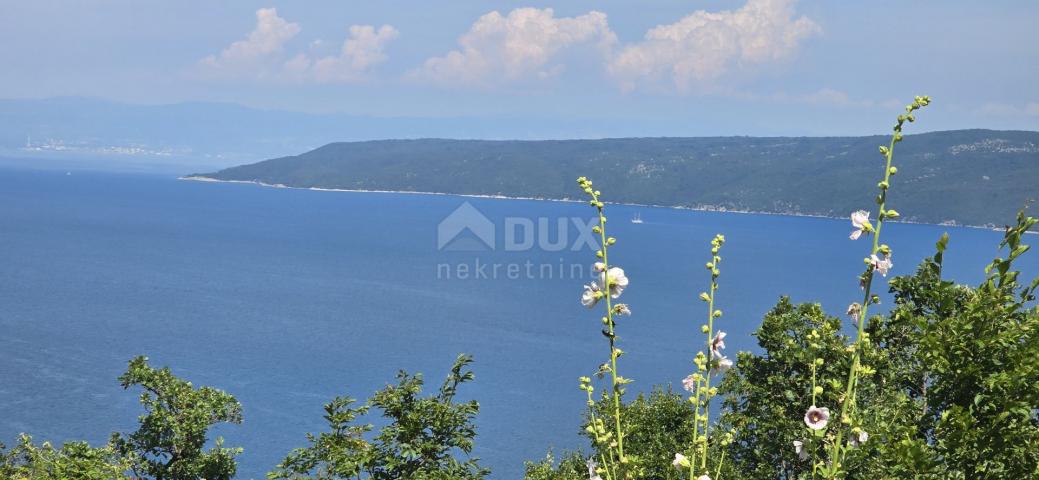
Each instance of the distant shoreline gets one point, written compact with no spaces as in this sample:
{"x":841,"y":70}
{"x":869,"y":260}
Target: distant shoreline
{"x":203,"y":178}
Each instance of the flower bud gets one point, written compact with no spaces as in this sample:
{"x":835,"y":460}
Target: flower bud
{"x":704,"y":328}
{"x":818,"y":390}
{"x":705,"y":297}
{"x":893,"y":170}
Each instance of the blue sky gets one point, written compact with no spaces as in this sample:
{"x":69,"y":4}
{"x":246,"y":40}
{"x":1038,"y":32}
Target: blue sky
{"x":754,"y":67}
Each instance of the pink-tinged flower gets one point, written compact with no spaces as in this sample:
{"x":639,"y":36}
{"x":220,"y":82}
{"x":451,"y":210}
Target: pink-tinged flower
{"x":881,"y":265}
{"x":718,"y":344}
{"x":592,"y":465}
{"x":816,"y":418}
{"x":689,"y":383}
{"x":860,"y":222}
{"x":854,"y":310}
{"x":614,"y":281}
{"x":724,"y":363}
{"x":799,"y":447}
{"x":591,"y":295}
{"x":858,"y":438}
{"x":680,"y":462}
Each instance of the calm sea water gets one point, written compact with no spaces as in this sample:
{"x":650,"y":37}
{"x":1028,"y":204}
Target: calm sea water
{"x":286,"y":298}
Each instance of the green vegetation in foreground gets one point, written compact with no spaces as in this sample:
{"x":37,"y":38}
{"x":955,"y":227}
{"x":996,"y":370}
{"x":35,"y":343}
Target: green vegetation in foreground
{"x":971,"y":177}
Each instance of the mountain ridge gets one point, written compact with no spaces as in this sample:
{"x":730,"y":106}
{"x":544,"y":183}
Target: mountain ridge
{"x":970,"y":177}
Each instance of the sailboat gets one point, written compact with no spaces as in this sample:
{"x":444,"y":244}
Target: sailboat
{"x":637,"y":218}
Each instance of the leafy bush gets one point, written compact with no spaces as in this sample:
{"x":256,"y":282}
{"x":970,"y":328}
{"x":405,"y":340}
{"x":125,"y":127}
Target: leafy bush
{"x":170,"y":441}
{"x":421,"y":440}
{"x":73,"y":461}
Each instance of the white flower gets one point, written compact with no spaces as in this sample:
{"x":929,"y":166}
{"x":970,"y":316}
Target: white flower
{"x":854,"y":310}
{"x":858,"y":438}
{"x":816,"y":418}
{"x":881,"y":265}
{"x":859,"y":221}
{"x":718,"y":344}
{"x":599,"y":266}
{"x":615,"y":280}
{"x":689,"y":383}
{"x":703,"y":477}
{"x":724,"y":363}
{"x":622,"y":309}
{"x":680,"y":461}
{"x":592,"y":465}
{"x":591,"y":295}
{"x":799,"y":447}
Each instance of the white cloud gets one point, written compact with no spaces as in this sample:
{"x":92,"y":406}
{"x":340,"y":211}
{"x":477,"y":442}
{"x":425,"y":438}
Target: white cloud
{"x":266,"y":41}
{"x":365,"y":49}
{"x":261,"y":55}
{"x":705,"y":45}
{"x":523,"y":45}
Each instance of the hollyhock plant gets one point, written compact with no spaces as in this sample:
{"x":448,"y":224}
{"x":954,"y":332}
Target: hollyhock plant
{"x":591,"y":295}
{"x":860,"y":223}
{"x":680,"y":462}
{"x":592,"y":467}
{"x":882,"y":265}
{"x":816,"y":418}
{"x":607,"y":435}
{"x":718,"y":344}
{"x":615,"y":279}
{"x":799,"y":449}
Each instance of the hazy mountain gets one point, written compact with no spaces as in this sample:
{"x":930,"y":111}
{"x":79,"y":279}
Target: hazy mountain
{"x":216,"y":135}
{"x":971,"y":177}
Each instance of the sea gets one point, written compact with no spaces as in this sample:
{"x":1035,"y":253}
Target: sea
{"x":287,"y":298}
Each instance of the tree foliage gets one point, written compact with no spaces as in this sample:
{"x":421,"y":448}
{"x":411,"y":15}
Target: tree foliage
{"x":170,"y":442}
{"x":425,"y":438}
{"x":73,"y":461}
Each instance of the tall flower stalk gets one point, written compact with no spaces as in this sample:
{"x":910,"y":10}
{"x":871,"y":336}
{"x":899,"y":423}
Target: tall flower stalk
{"x":878,"y":261}
{"x":698,"y":384}
{"x":612,"y":282}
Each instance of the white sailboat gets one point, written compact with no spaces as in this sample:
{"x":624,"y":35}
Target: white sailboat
{"x":637,"y":218}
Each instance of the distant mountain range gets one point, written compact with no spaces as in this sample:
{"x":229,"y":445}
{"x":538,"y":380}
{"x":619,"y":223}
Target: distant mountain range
{"x":972,"y":177}
{"x":202,"y":135}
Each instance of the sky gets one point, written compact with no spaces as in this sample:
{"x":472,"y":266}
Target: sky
{"x":744,"y":67}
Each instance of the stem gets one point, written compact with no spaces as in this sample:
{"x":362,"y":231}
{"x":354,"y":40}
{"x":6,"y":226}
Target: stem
{"x":849,"y":394}
{"x":710,"y":363}
{"x":610,"y":330}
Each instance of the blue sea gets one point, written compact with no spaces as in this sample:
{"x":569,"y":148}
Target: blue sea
{"x":286,"y":298}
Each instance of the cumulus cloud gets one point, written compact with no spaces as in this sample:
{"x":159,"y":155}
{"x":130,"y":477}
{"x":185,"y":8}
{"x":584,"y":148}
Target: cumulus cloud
{"x":266,"y":41}
{"x":365,"y":49}
{"x":703,"y":46}
{"x":261,"y":55}
{"x":523,"y":45}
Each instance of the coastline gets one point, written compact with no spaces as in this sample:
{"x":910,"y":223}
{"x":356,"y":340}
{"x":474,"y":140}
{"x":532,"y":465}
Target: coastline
{"x":705,"y":208}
